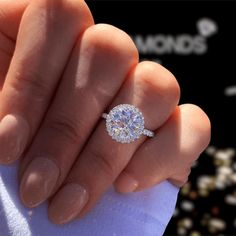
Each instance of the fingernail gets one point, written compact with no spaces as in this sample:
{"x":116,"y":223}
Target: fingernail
{"x":14,"y":133}
{"x":126,"y":183}
{"x":68,"y":203}
{"x":38,"y":181}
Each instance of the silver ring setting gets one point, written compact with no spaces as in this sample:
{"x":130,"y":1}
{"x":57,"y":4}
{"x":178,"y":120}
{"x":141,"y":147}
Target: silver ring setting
{"x":125,"y":123}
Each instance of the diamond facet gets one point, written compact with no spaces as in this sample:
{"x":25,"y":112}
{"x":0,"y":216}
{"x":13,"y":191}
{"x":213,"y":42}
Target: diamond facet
{"x":125,"y":123}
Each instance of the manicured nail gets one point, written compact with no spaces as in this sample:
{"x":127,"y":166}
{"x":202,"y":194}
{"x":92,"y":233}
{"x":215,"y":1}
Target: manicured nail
{"x":68,"y":203}
{"x":38,"y":181}
{"x":126,"y":183}
{"x":14,"y":133}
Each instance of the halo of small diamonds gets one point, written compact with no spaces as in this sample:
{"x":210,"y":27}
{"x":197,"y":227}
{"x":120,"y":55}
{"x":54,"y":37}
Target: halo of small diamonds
{"x":125,"y":123}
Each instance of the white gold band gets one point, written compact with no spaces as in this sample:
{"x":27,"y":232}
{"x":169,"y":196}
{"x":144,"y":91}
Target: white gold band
{"x":104,"y":115}
{"x":148,"y":133}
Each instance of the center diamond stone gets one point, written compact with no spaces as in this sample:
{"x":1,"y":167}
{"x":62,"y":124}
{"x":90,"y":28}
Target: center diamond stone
{"x":125,"y":123}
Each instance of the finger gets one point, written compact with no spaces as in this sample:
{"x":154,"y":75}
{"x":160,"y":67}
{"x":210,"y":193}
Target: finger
{"x":6,"y":51}
{"x":88,"y":86}
{"x":10,"y":15}
{"x":41,"y":53}
{"x":155,"y":92}
{"x":169,"y":155}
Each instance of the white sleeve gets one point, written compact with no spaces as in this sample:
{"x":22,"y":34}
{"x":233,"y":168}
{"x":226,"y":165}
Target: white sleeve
{"x":144,"y":213}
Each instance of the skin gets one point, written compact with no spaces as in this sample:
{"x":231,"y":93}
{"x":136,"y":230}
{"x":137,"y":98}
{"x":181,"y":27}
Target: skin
{"x":59,"y":73}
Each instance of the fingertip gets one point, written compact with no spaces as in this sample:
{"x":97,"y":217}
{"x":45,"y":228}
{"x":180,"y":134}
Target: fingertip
{"x":67,"y":203}
{"x":126,"y":183}
{"x":199,"y":122}
{"x":164,"y":82}
{"x":14,"y":134}
{"x":38,"y":181}
{"x":105,"y":37}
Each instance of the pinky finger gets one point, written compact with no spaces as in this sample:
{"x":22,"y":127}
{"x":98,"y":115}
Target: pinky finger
{"x":170,"y":154}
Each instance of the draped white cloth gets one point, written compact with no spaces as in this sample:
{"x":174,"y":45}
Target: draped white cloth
{"x":144,"y":213}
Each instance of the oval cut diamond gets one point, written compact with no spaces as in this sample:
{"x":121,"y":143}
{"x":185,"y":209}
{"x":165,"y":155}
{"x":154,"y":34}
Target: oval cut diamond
{"x":125,"y":123}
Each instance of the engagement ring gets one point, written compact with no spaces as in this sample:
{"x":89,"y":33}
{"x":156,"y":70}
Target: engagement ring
{"x":125,"y":123}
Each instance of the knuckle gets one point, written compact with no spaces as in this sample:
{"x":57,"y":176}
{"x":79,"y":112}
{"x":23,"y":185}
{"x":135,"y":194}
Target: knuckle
{"x":105,"y":37}
{"x":31,"y":82}
{"x":102,"y":162}
{"x":163,"y":83}
{"x":63,"y":127}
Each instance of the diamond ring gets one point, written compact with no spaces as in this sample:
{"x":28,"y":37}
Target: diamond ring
{"x":125,"y":123}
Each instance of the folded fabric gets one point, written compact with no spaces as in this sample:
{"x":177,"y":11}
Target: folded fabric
{"x":145,"y":213}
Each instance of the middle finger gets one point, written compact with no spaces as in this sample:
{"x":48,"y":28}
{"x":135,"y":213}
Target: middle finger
{"x":106,"y":55}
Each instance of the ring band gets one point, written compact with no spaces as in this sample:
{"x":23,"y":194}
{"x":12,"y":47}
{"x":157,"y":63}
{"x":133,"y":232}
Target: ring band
{"x":125,"y":123}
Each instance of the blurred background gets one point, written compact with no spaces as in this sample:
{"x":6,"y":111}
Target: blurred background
{"x":197,"y":42}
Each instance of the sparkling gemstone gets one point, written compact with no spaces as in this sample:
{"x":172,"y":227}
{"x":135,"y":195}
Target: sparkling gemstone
{"x":125,"y":123}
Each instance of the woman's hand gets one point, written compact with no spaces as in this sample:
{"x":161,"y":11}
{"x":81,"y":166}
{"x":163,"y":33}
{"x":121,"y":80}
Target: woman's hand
{"x":57,"y":80}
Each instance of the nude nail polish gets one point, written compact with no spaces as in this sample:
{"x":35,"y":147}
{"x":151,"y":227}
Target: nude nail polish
{"x":14,"y":134}
{"x":38,"y":181}
{"x":67,"y":203}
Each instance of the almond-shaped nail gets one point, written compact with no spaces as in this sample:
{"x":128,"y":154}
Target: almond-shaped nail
{"x":38,"y":181}
{"x":14,"y":134}
{"x":126,"y":183}
{"x":67,"y":203}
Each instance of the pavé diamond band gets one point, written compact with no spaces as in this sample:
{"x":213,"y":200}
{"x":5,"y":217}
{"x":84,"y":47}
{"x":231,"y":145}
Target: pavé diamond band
{"x":125,"y":123}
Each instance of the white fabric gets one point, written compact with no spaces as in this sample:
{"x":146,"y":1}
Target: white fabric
{"x":144,"y":213}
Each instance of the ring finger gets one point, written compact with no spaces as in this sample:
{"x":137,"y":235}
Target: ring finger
{"x":152,"y":89}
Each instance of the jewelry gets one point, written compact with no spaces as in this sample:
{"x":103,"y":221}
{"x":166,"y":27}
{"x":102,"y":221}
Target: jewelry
{"x":125,"y":123}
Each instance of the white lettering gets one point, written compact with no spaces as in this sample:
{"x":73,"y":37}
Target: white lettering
{"x":166,"y":44}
